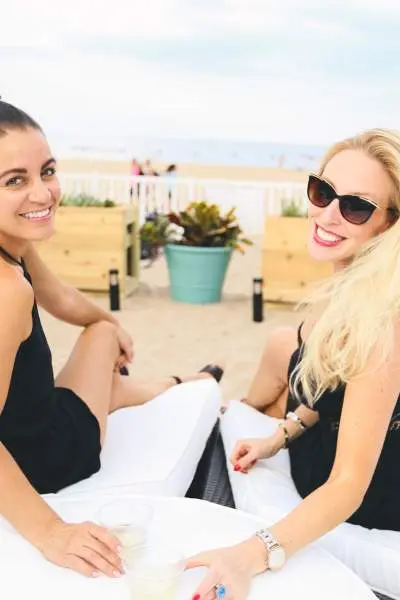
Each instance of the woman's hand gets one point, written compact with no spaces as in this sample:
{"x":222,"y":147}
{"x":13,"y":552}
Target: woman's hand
{"x":84,"y":547}
{"x":234,"y":567}
{"x":247,"y":452}
{"x":126,"y":347}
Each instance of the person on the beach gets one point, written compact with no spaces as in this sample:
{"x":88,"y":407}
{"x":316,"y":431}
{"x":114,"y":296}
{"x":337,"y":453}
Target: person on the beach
{"x":170,"y":173}
{"x":335,"y":382}
{"x":136,"y":171}
{"x":52,"y":430}
{"x":148,"y":169}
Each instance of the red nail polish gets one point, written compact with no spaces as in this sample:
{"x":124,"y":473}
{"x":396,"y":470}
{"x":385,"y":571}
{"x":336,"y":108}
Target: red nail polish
{"x":235,"y":468}
{"x":196,"y":597}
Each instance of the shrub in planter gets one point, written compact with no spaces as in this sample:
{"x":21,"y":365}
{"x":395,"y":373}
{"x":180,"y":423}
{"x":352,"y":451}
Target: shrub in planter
{"x":199,"y":242}
{"x":293,"y":209}
{"x":85,"y":200}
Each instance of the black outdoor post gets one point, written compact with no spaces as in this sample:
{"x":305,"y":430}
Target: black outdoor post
{"x":114,"y":289}
{"x":258,"y":300}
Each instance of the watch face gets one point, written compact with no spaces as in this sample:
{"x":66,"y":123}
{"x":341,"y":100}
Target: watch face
{"x":276,"y":558}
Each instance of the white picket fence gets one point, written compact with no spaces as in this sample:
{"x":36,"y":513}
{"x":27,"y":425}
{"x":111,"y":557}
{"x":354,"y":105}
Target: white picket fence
{"x":254,"y":200}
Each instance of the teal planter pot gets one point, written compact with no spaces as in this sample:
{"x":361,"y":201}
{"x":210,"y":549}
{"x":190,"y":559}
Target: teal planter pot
{"x":196,"y":274}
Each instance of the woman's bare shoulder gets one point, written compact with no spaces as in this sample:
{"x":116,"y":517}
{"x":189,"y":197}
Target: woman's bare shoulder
{"x":16,"y":294}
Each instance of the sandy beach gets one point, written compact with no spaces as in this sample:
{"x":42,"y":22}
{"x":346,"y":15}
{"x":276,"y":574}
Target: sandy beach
{"x":173,"y":338}
{"x":202,"y":171}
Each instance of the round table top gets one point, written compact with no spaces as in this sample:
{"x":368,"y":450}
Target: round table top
{"x":191,"y":526}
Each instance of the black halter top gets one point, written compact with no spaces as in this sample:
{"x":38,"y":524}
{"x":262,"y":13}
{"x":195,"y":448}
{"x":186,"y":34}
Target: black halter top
{"x":11,"y":258}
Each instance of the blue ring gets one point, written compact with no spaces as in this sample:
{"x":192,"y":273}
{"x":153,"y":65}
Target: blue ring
{"x":220,"y":590}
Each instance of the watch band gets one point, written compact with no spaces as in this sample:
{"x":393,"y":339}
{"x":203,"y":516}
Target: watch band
{"x":274,"y":553}
{"x":260,"y":536}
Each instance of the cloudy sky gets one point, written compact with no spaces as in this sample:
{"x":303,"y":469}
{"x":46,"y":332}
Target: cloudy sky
{"x":305,"y":71}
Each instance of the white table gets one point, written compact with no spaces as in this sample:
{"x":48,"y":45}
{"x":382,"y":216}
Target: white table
{"x":191,"y":525}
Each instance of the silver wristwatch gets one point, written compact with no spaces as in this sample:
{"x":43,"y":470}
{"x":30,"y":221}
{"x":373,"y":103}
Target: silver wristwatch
{"x":275,"y":553}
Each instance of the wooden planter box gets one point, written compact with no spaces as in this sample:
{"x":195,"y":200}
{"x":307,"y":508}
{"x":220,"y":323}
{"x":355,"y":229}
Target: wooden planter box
{"x":89,"y":241}
{"x":287,"y":269}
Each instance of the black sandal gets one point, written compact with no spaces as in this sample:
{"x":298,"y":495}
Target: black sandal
{"x":213,"y":370}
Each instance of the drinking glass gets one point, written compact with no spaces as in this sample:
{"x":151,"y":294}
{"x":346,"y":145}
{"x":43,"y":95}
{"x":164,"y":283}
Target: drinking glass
{"x":155,"y":573}
{"x":129,"y":520}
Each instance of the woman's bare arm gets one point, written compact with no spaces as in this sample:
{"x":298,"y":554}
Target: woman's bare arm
{"x":21,"y":505}
{"x":271,"y":379}
{"x":308,"y":417}
{"x":59,"y":299}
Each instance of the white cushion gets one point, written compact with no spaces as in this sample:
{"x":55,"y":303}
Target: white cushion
{"x":193,"y":525}
{"x":155,"y":448}
{"x":268,"y":490}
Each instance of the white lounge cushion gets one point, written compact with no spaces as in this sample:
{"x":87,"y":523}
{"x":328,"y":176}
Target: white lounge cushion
{"x":193,"y":525}
{"x":268,"y":490}
{"x":155,"y":448}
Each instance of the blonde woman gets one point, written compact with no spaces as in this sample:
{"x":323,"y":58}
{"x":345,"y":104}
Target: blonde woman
{"x":342,"y":374}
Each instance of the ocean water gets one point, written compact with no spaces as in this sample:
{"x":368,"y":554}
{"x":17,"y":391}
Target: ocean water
{"x":201,"y":151}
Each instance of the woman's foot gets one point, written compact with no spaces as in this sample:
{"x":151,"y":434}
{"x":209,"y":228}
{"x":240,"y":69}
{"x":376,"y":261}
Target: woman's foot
{"x":214,"y":370}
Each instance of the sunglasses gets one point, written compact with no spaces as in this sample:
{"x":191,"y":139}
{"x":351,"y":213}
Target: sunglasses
{"x":354,"y":209}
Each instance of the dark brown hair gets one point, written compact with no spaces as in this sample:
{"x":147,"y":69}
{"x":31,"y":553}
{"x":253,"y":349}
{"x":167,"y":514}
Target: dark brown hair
{"x":12,"y":117}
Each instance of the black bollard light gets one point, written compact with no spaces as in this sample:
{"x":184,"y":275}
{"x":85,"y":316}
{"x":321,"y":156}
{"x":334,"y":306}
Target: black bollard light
{"x":258,"y":300}
{"x":113,"y":289}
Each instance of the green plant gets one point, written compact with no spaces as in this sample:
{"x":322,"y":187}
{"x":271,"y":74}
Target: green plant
{"x":292,"y":209}
{"x":202,"y":224}
{"x":85,"y":200}
{"x":154,"y":231}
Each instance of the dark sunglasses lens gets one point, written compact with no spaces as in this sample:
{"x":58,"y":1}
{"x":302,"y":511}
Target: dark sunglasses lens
{"x":319,"y":192}
{"x":356,"y":210}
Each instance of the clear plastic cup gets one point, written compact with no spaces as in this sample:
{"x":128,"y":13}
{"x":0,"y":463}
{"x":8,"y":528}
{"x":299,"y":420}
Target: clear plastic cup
{"x":130,"y":521}
{"x":155,"y":573}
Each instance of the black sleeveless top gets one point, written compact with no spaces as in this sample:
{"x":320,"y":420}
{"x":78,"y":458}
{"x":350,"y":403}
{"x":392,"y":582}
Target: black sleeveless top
{"x":34,"y":360}
{"x":312,"y":456}
{"x":49,"y":431}
{"x":29,"y":391}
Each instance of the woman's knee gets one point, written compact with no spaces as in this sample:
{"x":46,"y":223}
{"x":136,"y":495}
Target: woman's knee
{"x":284,"y":333}
{"x":282,"y":340}
{"x":104,"y":333}
{"x":102,"y":328}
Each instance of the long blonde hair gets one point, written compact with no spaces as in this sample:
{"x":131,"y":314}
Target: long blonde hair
{"x":362,"y":301}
